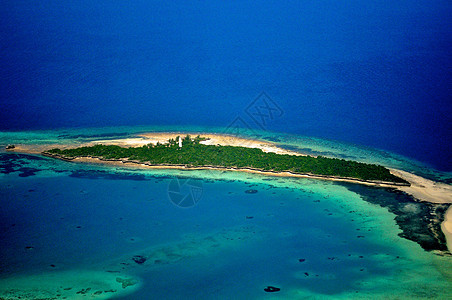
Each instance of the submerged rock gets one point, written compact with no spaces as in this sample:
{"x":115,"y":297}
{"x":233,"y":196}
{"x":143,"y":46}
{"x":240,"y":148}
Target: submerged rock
{"x":139,"y":259}
{"x":271,"y":289}
{"x":125,"y":282}
{"x":251,"y":191}
{"x":83,"y":291}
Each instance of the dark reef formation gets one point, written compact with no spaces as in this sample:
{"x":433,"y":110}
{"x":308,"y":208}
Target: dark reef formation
{"x":271,"y":289}
{"x":13,"y":162}
{"x":139,"y":259}
{"x":419,"y":221}
{"x":251,"y":191}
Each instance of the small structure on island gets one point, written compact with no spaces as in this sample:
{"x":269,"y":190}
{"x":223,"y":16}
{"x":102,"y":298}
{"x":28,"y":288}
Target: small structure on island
{"x":9,"y":147}
{"x":180,"y":142}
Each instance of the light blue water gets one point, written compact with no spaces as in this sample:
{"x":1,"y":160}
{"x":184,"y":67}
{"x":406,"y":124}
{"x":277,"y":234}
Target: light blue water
{"x":87,"y":222}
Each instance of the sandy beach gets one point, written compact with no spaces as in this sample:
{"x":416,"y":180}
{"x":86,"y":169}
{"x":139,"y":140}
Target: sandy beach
{"x":163,"y":137}
{"x":213,"y":139}
{"x":446,"y":227}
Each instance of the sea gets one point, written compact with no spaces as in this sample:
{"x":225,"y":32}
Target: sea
{"x":359,"y":80}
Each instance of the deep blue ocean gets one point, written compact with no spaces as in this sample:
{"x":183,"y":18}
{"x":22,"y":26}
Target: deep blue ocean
{"x":375,"y":73}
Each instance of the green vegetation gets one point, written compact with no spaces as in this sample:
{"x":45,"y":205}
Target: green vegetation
{"x":194,"y":154}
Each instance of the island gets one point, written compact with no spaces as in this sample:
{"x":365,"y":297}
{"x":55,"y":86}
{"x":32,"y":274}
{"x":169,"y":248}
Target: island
{"x":188,"y":152}
{"x":430,"y":224}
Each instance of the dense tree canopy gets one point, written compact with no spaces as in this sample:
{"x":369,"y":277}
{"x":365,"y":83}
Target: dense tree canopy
{"x":195,"y":154}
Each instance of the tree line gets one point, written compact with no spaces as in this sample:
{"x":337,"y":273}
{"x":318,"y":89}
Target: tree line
{"x":194,"y":154}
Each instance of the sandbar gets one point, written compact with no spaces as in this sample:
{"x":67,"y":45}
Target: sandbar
{"x":446,"y":227}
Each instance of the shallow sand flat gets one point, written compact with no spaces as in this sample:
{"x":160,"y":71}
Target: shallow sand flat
{"x":424,"y":189}
{"x":76,"y":284}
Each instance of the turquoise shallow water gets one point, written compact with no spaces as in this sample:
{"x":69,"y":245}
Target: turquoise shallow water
{"x":69,"y":227}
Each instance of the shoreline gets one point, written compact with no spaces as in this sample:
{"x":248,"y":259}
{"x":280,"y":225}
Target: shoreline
{"x":122,"y":162}
{"x":421,"y":189}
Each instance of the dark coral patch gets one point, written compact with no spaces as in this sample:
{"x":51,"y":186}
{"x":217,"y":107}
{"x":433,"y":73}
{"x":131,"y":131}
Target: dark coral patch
{"x":251,"y":191}
{"x":139,"y":259}
{"x":271,"y":289}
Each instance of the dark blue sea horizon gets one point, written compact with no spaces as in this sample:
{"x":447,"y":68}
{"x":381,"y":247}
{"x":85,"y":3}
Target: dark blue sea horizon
{"x":374,"y":74}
